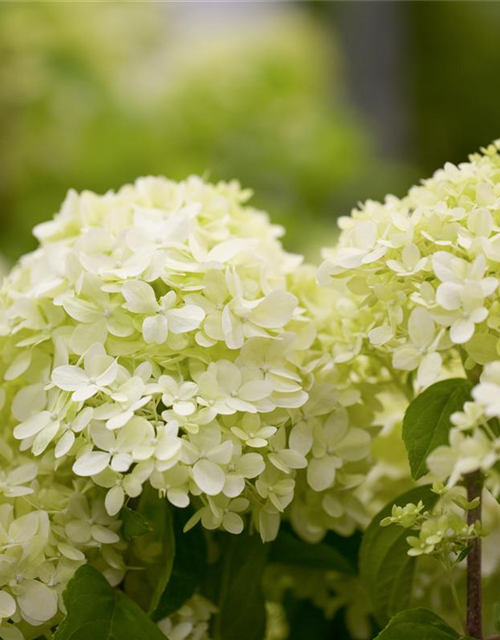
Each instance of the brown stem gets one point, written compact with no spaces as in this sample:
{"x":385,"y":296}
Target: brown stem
{"x":474,"y":484}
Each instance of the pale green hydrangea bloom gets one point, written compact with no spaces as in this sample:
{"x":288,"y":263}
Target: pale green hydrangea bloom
{"x":161,"y":335}
{"x":334,"y":430}
{"x":422,"y":273}
{"x":426,"y":268}
{"x":49,"y":526}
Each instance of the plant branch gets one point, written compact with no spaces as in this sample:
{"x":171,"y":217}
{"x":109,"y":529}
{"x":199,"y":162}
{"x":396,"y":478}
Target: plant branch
{"x":474,"y":485}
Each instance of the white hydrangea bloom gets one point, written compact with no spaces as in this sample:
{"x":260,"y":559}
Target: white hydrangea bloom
{"x":332,"y":430}
{"x":161,"y":335}
{"x":49,"y":526}
{"x":426,"y":266}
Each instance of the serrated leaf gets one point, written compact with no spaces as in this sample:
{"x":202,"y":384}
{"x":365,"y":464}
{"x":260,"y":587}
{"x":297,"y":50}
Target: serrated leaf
{"x":189,"y":566}
{"x":96,"y":611}
{"x":240,"y":602}
{"x":134,"y":524}
{"x":418,"y":624}
{"x":289,"y":550}
{"x":385,"y":567}
{"x":426,"y":424}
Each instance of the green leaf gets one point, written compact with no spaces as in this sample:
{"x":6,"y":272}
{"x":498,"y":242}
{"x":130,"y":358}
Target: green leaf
{"x":427,"y":420}
{"x":289,"y":550}
{"x":189,"y":566}
{"x":496,"y":616}
{"x":385,"y":567}
{"x":155,"y":551}
{"x":418,"y":624}
{"x":134,"y":524}
{"x":240,"y":601}
{"x":95,"y":611}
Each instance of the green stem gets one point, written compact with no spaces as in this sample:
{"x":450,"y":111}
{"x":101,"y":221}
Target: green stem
{"x":456,"y":600}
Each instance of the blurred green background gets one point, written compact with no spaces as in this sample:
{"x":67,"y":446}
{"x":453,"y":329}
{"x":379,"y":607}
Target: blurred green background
{"x":315,"y":106}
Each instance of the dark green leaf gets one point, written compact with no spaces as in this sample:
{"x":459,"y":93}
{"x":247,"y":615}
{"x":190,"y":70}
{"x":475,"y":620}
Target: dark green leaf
{"x":418,"y":624}
{"x":189,"y":566}
{"x":154,"y":551}
{"x":290,"y":550}
{"x":427,"y":420}
{"x":95,"y":611}
{"x":134,"y":524}
{"x":241,"y":606}
{"x":386,"y":568}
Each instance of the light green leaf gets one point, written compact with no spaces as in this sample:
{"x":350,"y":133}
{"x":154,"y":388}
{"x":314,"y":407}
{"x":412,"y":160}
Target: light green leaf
{"x":240,"y":602}
{"x":427,"y":420}
{"x":386,"y":568}
{"x":418,"y":624}
{"x":96,"y":611}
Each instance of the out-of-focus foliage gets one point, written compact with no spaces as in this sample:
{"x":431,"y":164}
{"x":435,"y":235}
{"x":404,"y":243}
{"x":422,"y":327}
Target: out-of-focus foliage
{"x":70,"y":109}
{"x":94,"y":95}
{"x":273,"y":115}
{"x":453,"y":65}
{"x":434,"y":64}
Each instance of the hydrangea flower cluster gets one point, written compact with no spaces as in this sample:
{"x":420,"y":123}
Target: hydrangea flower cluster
{"x":334,"y":429}
{"x":422,"y":271}
{"x":426,"y":268}
{"x":49,"y":526}
{"x":161,"y":335}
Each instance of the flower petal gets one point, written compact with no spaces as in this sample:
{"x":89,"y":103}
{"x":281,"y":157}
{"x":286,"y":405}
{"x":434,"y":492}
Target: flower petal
{"x":186,"y":319}
{"x":209,"y":477}
{"x":91,"y":463}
